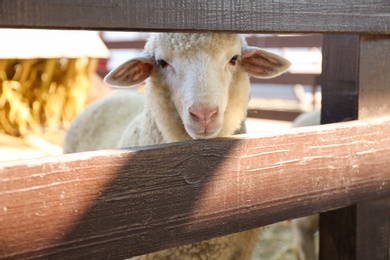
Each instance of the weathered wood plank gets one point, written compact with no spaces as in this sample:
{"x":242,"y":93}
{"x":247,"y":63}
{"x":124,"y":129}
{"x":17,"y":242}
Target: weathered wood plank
{"x":374,"y":76}
{"x":373,"y":237}
{"x":359,"y":231}
{"x":340,"y":102}
{"x":373,"y":230}
{"x":339,"y":79}
{"x":353,"y":16}
{"x":356,"y":86}
{"x":119,"y":203}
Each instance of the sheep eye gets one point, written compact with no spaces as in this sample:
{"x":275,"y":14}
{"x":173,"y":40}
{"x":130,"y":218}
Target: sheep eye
{"x":162,"y":63}
{"x":233,"y":60}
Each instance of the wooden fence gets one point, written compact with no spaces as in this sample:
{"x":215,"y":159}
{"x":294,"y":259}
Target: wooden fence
{"x":94,"y":205}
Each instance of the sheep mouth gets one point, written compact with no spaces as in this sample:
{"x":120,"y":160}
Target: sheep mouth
{"x":202,"y":132}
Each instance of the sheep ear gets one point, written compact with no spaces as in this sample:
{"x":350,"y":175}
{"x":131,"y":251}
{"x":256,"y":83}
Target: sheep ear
{"x":131,"y":72}
{"x":262,"y":64}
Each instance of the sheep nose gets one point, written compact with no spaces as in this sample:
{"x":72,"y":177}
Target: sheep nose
{"x":203,"y":114}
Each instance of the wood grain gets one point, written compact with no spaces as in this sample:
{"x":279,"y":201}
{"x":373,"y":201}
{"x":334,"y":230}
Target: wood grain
{"x":374,"y":76}
{"x":373,"y":218}
{"x":115,"y":204}
{"x":119,"y":203}
{"x":352,"y":16}
{"x":356,"y":86}
{"x":339,"y":79}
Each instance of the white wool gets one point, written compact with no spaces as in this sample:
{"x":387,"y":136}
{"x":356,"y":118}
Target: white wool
{"x":102,"y":123}
{"x":308,"y":119}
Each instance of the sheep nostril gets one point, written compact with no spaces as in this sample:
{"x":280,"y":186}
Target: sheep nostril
{"x":203,"y":114}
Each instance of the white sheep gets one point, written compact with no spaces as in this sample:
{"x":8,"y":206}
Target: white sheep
{"x":308,"y":119}
{"x":197,"y":87}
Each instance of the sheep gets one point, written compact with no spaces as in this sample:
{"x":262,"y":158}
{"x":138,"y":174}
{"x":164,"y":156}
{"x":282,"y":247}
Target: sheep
{"x":197,"y":87}
{"x":308,"y":119}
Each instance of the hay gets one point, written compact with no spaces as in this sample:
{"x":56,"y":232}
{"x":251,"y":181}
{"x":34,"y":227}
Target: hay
{"x":37,"y":94}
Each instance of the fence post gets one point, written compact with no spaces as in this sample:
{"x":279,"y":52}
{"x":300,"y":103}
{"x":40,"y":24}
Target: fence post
{"x":356,"y":85}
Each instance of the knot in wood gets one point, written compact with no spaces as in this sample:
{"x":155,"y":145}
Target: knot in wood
{"x":194,"y":170}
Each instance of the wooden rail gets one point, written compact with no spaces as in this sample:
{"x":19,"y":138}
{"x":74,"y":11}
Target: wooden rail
{"x":120,"y":203}
{"x":95,"y":204}
{"x":315,"y":16}
{"x":356,"y":87}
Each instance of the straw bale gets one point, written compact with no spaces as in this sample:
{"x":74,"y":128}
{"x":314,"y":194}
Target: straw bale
{"x":37,"y":94}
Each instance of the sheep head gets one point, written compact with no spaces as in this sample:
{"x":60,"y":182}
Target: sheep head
{"x":203,"y":77}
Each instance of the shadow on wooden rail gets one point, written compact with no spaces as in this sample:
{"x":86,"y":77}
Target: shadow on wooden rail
{"x":137,"y":207}
{"x":121,"y":203}
{"x":110,"y":203}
